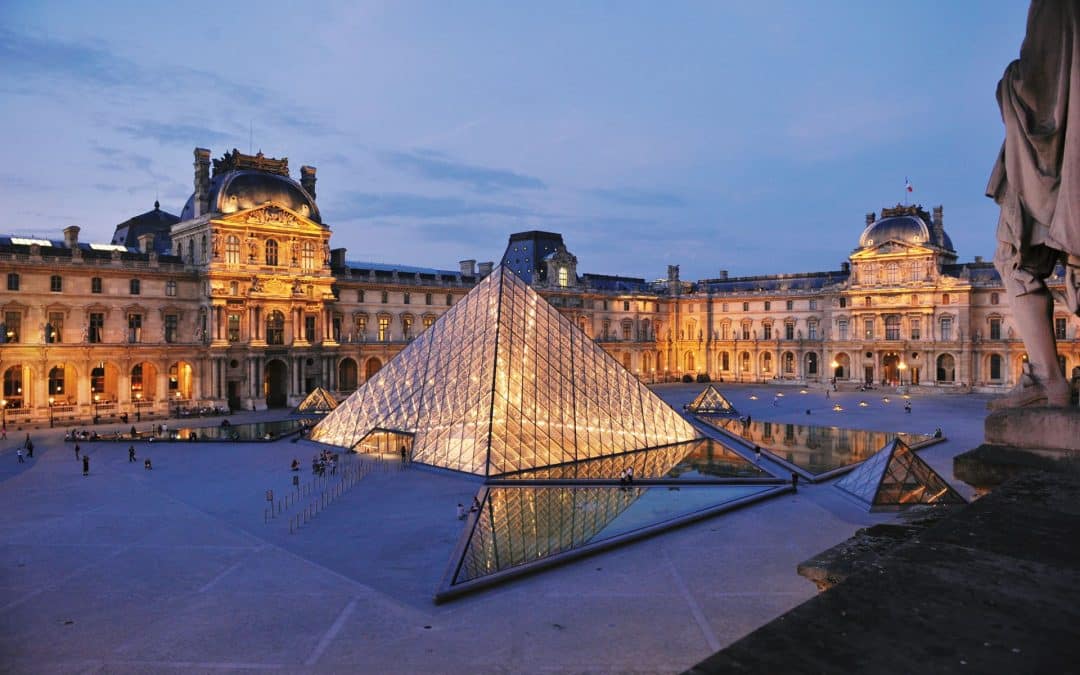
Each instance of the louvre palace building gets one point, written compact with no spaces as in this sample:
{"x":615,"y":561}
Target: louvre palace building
{"x":242,"y":301}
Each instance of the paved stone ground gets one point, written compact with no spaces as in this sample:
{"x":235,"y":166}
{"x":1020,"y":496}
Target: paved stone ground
{"x":175,"y":570}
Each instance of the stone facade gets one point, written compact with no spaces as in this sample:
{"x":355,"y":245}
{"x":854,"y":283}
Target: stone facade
{"x":251,"y":307}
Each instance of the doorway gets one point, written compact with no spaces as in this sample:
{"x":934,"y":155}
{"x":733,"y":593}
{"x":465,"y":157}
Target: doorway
{"x":275,"y":384}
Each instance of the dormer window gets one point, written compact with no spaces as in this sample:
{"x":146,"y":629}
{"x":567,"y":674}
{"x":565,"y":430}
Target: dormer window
{"x":564,"y":277}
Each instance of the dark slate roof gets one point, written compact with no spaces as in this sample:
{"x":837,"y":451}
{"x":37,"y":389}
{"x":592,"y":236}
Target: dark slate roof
{"x":57,"y":248}
{"x":977,"y":272}
{"x":810,"y":281}
{"x":386,"y":271}
{"x":156,"y":222}
{"x":607,"y":282}
{"x":234,"y":191}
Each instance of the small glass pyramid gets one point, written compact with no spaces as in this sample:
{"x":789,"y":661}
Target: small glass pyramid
{"x":894,"y":478}
{"x":711,"y":401}
{"x":503,"y":382}
{"x":318,"y":402}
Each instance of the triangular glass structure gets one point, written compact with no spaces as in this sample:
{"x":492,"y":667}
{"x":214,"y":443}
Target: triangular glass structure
{"x":895,"y":477}
{"x":711,"y":401}
{"x":503,"y":382}
{"x":318,"y":402}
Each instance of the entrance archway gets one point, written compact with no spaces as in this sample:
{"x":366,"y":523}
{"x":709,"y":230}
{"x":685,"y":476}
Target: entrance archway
{"x":843,"y":366}
{"x":275,"y":384}
{"x":347,"y":375}
{"x":890,"y":367}
{"x":371,"y":367}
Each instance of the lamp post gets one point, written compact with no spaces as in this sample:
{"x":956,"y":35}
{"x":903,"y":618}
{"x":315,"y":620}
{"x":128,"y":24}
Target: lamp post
{"x":51,"y":402}
{"x":138,"y":407}
{"x":3,"y":412}
{"x":902,"y":366}
{"x":178,"y":405}
{"x":97,"y":408}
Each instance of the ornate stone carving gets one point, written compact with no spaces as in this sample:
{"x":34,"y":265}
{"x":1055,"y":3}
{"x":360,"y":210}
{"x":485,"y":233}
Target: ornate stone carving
{"x":272,"y":215}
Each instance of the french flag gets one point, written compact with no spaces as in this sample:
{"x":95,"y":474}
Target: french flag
{"x":907,"y":185}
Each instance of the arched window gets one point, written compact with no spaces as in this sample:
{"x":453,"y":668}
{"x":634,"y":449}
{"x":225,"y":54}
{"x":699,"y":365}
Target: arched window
{"x":789,"y":363}
{"x":307,"y":255}
{"x":232,"y":250}
{"x":766,"y":362}
{"x":995,"y":367}
{"x":688,"y":362}
{"x":275,"y":328}
{"x":271,"y":252}
{"x":136,"y":378}
{"x":202,"y":249}
{"x":564,"y":277}
{"x":744,"y":362}
{"x":13,"y":391}
{"x":97,"y":380}
{"x":56,"y":381}
{"x":811,"y":364}
{"x":946,"y":368}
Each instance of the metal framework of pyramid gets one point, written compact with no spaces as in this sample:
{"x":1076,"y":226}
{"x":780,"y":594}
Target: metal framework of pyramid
{"x":319,"y":401}
{"x":895,"y":477}
{"x":503,"y":382}
{"x":711,"y":401}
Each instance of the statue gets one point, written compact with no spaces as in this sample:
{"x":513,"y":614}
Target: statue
{"x":1036,"y":182}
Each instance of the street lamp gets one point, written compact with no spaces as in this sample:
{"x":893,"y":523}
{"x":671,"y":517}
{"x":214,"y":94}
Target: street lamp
{"x":902,"y":367}
{"x":178,"y":405}
{"x":138,"y":407}
{"x":51,"y":402}
{"x":97,"y":408}
{"x":3,"y":412}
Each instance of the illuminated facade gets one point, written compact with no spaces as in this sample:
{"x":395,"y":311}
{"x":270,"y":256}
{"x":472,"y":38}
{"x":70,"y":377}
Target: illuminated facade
{"x":241,"y":301}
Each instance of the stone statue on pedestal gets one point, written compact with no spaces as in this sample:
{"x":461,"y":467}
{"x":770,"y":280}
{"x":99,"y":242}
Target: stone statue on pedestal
{"x":1036,"y":182}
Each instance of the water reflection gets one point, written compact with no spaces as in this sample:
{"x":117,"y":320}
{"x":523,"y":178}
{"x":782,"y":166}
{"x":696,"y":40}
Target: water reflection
{"x":256,"y":431}
{"x":816,"y":449}
{"x":700,"y":459}
{"x":519,"y":525}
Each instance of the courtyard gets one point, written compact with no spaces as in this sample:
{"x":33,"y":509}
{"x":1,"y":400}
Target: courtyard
{"x":179,"y":569}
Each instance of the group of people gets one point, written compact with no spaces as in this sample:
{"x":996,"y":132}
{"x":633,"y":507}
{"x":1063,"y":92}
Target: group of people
{"x":461,"y":512}
{"x":27,"y":445}
{"x":626,"y":477}
{"x":320,"y":463}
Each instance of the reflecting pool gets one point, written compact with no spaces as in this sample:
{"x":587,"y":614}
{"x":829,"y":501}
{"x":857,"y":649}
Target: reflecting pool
{"x":815,"y":449}
{"x":257,"y":431}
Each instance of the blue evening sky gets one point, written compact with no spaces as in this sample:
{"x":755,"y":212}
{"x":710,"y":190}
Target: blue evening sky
{"x":748,"y":136}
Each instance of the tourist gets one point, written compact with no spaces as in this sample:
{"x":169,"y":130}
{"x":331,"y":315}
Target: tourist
{"x":937,"y":432}
{"x":19,"y":453}
{"x":622,"y":478}
{"x":131,"y":453}
{"x":460,"y":511}
{"x":29,"y":447}
{"x":77,"y":449}
{"x":757,"y":453}
{"x":794,"y":481}
{"x":827,"y":393}
{"x":86,"y":465}
{"x":475,"y":504}
{"x":404,"y":456}
{"x":630,"y":475}
{"x":3,"y":432}
{"x":907,"y":407}
{"x":808,"y":411}
{"x":295,"y":465}
{"x":147,"y":465}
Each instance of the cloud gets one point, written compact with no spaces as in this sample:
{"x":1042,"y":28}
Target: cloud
{"x":376,"y":205}
{"x":34,"y":56}
{"x":168,"y":133}
{"x":639,"y":197}
{"x":435,"y":166}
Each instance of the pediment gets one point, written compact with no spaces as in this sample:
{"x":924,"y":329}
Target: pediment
{"x":273,"y":215}
{"x":890,"y":248}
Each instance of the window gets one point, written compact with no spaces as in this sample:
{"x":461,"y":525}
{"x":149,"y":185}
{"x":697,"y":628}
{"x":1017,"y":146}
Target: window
{"x":202,"y":249}
{"x":790,"y":305}
{"x":13,"y":387}
{"x":789,"y":330}
{"x":54,"y":330}
{"x":427,"y":298}
{"x":232,"y":331}
{"x":385,"y":297}
{"x":275,"y":328}
{"x":995,"y":367}
{"x":309,"y":327}
{"x":271,"y":252}
{"x":994,"y":299}
{"x":626,"y":306}
{"x":95,"y":285}
{"x":136,"y":378}
{"x":606,"y":333}
{"x":134,"y":287}
{"x":449,"y":299}
{"x":746,"y":331}
{"x":232,"y":250}
{"x":946,"y":328}
{"x":406,"y":297}
{"x":892,"y":273}
{"x":744,"y":362}
{"x":867,"y":301}
{"x":811,"y":330}
{"x":428,"y":320}
{"x":813,"y":305}
{"x":170,"y":288}
{"x":916,"y":329}
{"x":768,"y":305}
{"x":892,"y":327}
{"x":627,"y":330}
{"x":725,"y":361}
{"x":336,"y":327}
{"x":384,"y":328}
{"x":766,"y":330}
{"x":944,"y":298}
{"x":843,"y":303}
{"x":12,"y":326}
{"x":12,"y":281}
{"x":406,"y":327}
{"x":56,"y":283}
{"x":946,"y":368}
{"x":360,"y":295}
{"x":564,"y":277}
{"x":724,"y":330}
{"x":842,"y":329}
{"x":868,"y":329}
{"x":723,"y":307}
{"x":56,"y":381}
{"x":96,"y":329}
{"x":307,"y":255}
{"x":868,"y":276}
{"x":789,"y":363}
{"x":172,"y":321}
{"x":134,"y":328}
{"x":811,"y":363}
{"x":1059,"y":328}
{"x":97,"y":380}
{"x":995,"y":328}
{"x":234,"y":288}
{"x":746,"y":307}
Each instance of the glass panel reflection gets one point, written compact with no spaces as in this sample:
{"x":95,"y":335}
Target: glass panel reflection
{"x":519,"y":525}
{"x":896,"y":477}
{"x":816,"y":449}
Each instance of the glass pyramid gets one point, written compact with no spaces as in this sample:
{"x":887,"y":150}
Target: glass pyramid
{"x":895,"y":477}
{"x":503,"y":382}
{"x":319,"y":401}
{"x":710,"y":400}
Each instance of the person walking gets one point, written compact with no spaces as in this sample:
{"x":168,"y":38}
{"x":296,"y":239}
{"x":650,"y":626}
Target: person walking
{"x":29,"y":448}
{"x":86,"y":465}
{"x":404,"y":456}
{"x":907,"y":407}
{"x":3,"y":432}
{"x":131,"y":453}
{"x":77,"y":449}
{"x":757,"y":453}
{"x":19,"y":453}
{"x":147,"y":465}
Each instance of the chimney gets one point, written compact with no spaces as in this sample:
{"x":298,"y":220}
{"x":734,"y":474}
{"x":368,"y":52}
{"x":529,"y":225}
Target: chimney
{"x":337,"y":259}
{"x":202,"y":181}
{"x":939,"y":225}
{"x":978,"y":259}
{"x":307,"y":179}
{"x":146,"y":242}
{"x":485,"y":268}
{"x":71,"y":236}
{"x":468,"y":268}
{"x":870,"y":218}
{"x":723,"y":275}
{"x":845,"y":267}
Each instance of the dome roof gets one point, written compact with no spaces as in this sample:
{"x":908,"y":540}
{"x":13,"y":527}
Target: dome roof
{"x":906,"y":228}
{"x":241,"y":190}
